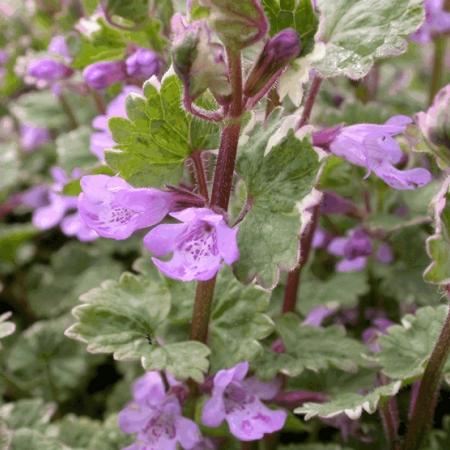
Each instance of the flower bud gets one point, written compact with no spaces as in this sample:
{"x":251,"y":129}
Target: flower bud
{"x":198,"y":62}
{"x":47,"y":69}
{"x":435,"y":123}
{"x":143,"y":64}
{"x":103,"y":74}
{"x":239,"y":24}
{"x":279,"y":51}
{"x":58,"y":46}
{"x":3,"y":57}
{"x":32,"y":137}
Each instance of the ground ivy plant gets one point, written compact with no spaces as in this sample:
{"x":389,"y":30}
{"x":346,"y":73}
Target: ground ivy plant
{"x":224,"y":225}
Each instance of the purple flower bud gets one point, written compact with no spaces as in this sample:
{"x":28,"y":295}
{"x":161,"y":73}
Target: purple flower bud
{"x":143,"y":64}
{"x":49,"y":70}
{"x":278,"y":52}
{"x":200,"y":243}
{"x":435,"y":123}
{"x":100,"y":75}
{"x":32,"y":138}
{"x":238,"y":401}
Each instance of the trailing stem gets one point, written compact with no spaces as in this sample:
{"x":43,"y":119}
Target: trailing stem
{"x":425,"y":405}
{"x":68,"y":111}
{"x":293,"y":280}
{"x":223,"y":179}
{"x":440,"y":45}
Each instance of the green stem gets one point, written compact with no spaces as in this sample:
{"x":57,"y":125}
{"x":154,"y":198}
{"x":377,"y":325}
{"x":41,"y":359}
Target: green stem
{"x":440,"y":44}
{"x":73,"y":122}
{"x":223,"y":180}
{"x":423,"y":412}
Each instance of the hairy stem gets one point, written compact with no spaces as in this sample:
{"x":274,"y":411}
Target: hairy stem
{"x":423,"y":413}
{"x":440,"y":44}
{"x":200,"y":174}
{"x":293,"y":280}
{"x":390,"y":419}
{"x":68,"y":111}
{"x":221,"y":192}
{"x":310,"y":100}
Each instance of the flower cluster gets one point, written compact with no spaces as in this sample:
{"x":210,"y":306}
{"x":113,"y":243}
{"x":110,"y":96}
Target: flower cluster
{"x":155,"y":415}
{"x":199,"y":244}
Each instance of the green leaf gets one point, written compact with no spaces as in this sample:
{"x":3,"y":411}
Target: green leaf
{"x":135,"y":10}
{"x":74,"y":269}
{"x":29,"y":413}
{"x":158,"y":136}
{"x":406,"y":348}
{"x":73,"y":149}
{"x":238,"y":322}
{"x":350,"y":404}
{"x":109,"y":43}
{"x":122,"y":318}
{"x":59,"y":365}
{"x":310,"y":348}
{"x":26,"y":439}
{"x":9,"y":162}
{"x":278,"y":176}
{"x":340,"y":290}
{"x":317,"y":446}
{"x":77,"y":431}
{"x":12,"y":239}
{"x":356,"y":32}
{"x":438,"y":245}
{"x":6,"y":327}
{"x":110,"y":437}
{"x":297,"y":14}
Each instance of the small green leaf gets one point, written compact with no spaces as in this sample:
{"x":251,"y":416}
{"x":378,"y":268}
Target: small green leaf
{"x":158,"y":136}
{"x":26,"y":439}
{"x":12,"y":238}
{"x":123,"y":317}
{"x":73,"y":149}
{"x":297,"y":14}
{"x":438,"y":245}
{"x":406,"y":348}
{"x":278,"y":176}
{"x":6,"y":327}
{"x":29,"y":413}
{"x":135,"y":10}
{"x":59,"y":365}
{"x":109,"y":437}
{"x":356,"y":32}
{"x":350,"y":404}
{"x":310,"y":348}
{"x":9,"y":162}
{"x":77,"y":431}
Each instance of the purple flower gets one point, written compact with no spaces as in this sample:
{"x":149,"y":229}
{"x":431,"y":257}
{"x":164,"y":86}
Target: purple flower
{"x":373,"y":147}
{"x":115,"y":210}
{"x":370,"y":335}
{"x":73,"y":225}
{"x":143,"y":64}
{"x":48,"y":70}
{"x":317,"y":315}
{"x":3,"y":57}
{"x":50,"y":215}
{"x":437,"y":21}
{"x":100,"y":75}
{"x":238,"y":401}
{"x":155,"y":416}
{"x":32,"y":138}
{"x":102,"y":140}
{"x":199,"y":244}
{"x":278,"y":52}
{"x":58,"y":46}
{"x":355,"y":250}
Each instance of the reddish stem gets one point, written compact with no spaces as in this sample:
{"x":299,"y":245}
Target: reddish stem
{"x":200,"y":174}
{"x":293,"y":280}
{"x":309,"y":103}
